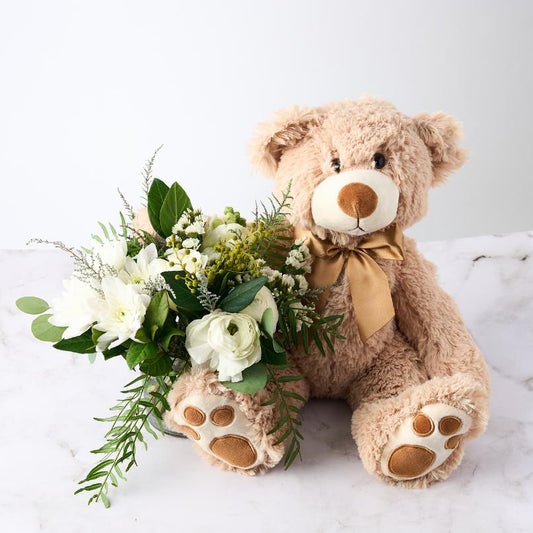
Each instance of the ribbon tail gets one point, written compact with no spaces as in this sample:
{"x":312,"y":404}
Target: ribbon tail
{"x":372,"y":301}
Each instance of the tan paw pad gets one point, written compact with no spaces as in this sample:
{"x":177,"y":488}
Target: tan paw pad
{"x":424,"y":442}
{"x":219,"y":427}
{"x":222,"y":416}
{"x":234,"y":449}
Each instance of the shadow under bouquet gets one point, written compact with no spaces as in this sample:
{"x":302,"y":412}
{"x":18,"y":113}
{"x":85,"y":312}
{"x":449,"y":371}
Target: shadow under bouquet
{"x":173,"y":289}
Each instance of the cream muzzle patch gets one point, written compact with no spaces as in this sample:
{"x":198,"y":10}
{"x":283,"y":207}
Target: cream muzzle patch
{"x":355,"y":202}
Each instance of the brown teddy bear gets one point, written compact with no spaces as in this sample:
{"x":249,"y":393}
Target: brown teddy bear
{"x":360,"y":172}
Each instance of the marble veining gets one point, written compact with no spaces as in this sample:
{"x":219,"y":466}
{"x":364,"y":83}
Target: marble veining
{"x":48,"y":399}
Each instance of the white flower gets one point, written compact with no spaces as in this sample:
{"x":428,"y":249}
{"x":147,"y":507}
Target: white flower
{"x":191,"y":243}
{"x":263,"y":300}
{"x":223,"y":233}
{"x":120,"y":314}
{"x":112,"y":253}
{"x":198,"y":226}
{"x":227,"y":342}
{"x":145,"y":267}
{"x":270,"y":273}
{"x":303,"y":284}
{"x":76,"y":308}
{"x":287,"y":280}
{"x":189,"y":260}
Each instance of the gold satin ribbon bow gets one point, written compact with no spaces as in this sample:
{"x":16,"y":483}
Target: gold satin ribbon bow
{"x":369,"y":285}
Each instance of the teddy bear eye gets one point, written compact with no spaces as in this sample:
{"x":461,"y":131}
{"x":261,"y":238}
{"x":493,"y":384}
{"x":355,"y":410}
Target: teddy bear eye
{"x":378,"y":161}
{"x":336,"y":165}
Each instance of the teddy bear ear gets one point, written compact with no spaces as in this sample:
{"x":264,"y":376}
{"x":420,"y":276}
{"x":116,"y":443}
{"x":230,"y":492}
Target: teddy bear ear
{"x":441,"y":134}
{"x":284,"y":130}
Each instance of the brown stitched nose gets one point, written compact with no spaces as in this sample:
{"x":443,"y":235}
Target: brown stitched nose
{"x":357,"y":200}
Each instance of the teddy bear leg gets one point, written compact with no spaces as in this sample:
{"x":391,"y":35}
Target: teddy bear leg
{"x":412,"y":431}
{"x":229,"y":429}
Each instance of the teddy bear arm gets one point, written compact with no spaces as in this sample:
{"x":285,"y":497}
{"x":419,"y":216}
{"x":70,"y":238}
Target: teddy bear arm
{"x":432,"y":323}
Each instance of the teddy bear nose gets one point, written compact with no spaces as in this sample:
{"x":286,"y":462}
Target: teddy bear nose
{"x":357,"y":200}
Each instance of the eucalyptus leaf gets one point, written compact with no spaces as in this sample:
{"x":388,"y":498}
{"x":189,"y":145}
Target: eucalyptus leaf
{"x":267,"y":321}
{"x":44,"y":331}
{"x":32,"y":305}
{"x":175,"y":203}
{"x":254,"y":378}
{"x":156,"y":196}
{"x":137,"y":353}
{"x":242,"y":295}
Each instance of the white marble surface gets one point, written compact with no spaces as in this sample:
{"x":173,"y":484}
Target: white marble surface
{"x":46,"y":431}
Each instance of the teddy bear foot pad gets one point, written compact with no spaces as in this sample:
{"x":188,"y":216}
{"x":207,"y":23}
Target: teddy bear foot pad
{"x":219,"y":427}
{"x":423,"y":442}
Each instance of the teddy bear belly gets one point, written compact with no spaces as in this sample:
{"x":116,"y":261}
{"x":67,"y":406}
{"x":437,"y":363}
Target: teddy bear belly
{"x":334,"y":375}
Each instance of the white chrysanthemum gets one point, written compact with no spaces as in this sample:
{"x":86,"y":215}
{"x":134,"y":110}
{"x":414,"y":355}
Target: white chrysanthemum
{"x":112,"y":253}
{"x":76,"y":308}
{"x":145,"y":267}
{"x":189,"y":260}
{"x":227,"y":342}
{"x":120,"y":314}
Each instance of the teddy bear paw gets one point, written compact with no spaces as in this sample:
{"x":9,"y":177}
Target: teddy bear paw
{"x":424,"y":442}
{"x":218,"y":426}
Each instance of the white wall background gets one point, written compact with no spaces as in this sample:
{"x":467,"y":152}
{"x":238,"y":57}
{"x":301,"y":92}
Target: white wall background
{"x":89,"y":88}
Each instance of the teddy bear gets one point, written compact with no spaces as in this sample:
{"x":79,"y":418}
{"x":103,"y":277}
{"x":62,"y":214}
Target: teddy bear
{"x":359,"y":174}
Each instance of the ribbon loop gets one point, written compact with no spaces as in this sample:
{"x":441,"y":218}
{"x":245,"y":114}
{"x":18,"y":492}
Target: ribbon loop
{"x":369,"y":285}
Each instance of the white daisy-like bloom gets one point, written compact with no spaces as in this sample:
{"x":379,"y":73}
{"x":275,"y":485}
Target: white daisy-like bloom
{"x":76,"y":309}
{"x":191,"y":242}
{"x":145,"y":267}
{"x":120,"y":313}
{"x":112,"y":253}
{"x":190,"y":261}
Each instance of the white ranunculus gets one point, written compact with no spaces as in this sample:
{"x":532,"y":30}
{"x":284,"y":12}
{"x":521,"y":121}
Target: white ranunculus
{"x":144,"y":267}
{"x":227,"y":342}
{"x":263,"y":300}
{"x":112,"y":253}
{"x":76,"y":308}
{"x":120,"y":314}
{"x":184,"y":259}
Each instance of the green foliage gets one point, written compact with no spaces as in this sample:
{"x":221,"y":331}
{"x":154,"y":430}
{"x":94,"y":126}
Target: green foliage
{"x":242,"y":295}
{"x":156,"y":196}
{"x":181,"y":295}
{"x":175,"y":203}
{"x":44,"y":331}
{"x":254,"y":378}
{"x":32,"y":305}
{"x":129,"y":426}
{"x":156,"y":314}
{"x":288,"y":422}
{"x":138,"y":352}
{"x":82,"y":344}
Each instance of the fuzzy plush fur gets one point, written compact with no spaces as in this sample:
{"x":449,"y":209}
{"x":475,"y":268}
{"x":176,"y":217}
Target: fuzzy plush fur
{"x":425,"y":355}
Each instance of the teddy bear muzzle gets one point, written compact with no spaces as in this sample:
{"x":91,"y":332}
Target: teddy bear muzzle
{"x":356,"y":202}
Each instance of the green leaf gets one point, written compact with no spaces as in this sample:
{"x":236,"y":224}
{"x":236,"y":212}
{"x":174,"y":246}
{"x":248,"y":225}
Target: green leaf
{"x":32,"y":305}
{"x":137,"y":353}
{"x":182,"y":297}
{"x":156,"y":314}
{"x":270,"y":353}
{"x":156,"y":196}
{"x":44,"y":331}
{"x":167,"y":335}
{"x":254,"y":378}
{"x":267,"y":321}
{"x":158,"y":366}
{"x":81,"y":344}
{"x":175,"y":203}
{"x":242,"y":295}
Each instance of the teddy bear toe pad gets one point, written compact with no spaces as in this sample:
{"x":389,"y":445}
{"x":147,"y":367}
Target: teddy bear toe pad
{"x":219,"y":427}
{"x":423,"y":442}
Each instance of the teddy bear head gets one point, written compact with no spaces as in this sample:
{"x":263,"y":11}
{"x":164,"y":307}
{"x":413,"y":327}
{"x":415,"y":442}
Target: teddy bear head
{"x":356,"y":167}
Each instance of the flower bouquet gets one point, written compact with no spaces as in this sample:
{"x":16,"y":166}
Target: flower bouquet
{"x":173,"y":289}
